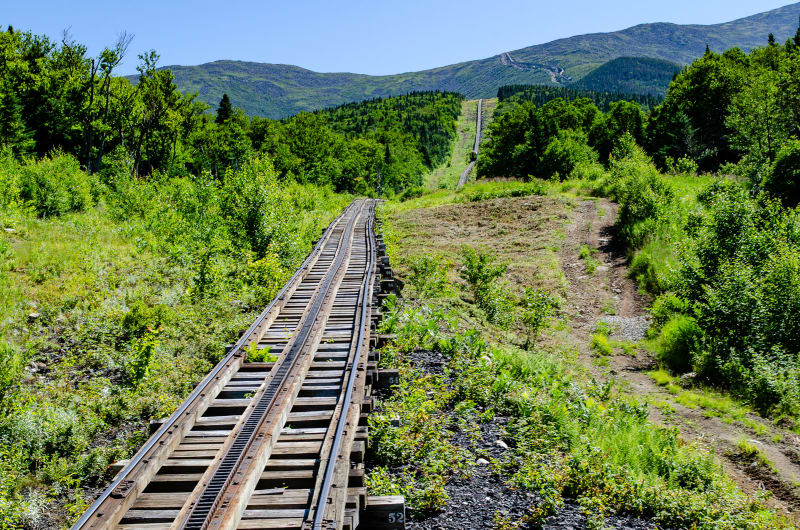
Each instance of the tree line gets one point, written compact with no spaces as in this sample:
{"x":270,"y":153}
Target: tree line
{"x":541,"y":94}
{"x":55,"y":97}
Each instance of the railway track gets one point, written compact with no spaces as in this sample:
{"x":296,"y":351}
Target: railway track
{"x":280,"y":444}
{"x":474,"y":155}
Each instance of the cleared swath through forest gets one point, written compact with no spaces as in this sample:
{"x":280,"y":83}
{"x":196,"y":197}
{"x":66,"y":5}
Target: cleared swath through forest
{"x":474,"y":157}
{"x":277,"y":444}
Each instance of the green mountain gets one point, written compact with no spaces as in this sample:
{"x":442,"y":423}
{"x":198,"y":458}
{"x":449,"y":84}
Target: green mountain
{"x":276,"y":90}
{"x":631,"y":75}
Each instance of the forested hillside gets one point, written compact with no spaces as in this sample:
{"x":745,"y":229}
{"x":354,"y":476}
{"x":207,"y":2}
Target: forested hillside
{"x":539,"y":95}
{"x":631,"y":75}
{"x":429,"y":117}
{"x":722,"y":254}
{"x":277,"y":90}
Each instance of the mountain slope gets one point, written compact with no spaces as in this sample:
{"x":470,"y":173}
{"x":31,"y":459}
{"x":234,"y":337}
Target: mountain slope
{"x":631,"y":75}
{"x":276,"y":91}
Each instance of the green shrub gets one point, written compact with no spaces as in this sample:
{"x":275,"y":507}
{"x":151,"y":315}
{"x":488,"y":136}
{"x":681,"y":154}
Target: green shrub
{"x":265,"y":277}
{"x":588,"y":171}
{"x":141,"y":317}
{"x":260,"y":355}
{"x":601,"y":344}
{"x":646,"y":270}
{"x":10,"y":372}
{"x":498,"y":303}
{"x":680,"y":338}
{"x":55,"y":185}
{"x":258,"y":210}
{"x":783,"y":180}
{"x":480,"y":270}
{"x":144,"y":349}
{"x":665,"y":307}
{"x":9,"y":180}
{"x":683,"y":166}
{"x":412,"y":192}
{"x":537,"y":306}
{"x":429,"y":276}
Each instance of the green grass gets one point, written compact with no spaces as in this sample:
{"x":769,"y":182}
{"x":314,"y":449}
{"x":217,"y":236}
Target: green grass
{"x":105,"y":308}
{"x":472,"y":192}
{"x":570,"y":436}
{"x":446,"y":176}
{"x":752,"y":453}
{"x":711,"y":403}
{"x":589,"y":261}
{"x":601,"y":345}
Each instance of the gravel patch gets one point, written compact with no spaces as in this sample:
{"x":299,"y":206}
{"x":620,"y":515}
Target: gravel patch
{"x":475,"y":501}
{"x":632,"y":329}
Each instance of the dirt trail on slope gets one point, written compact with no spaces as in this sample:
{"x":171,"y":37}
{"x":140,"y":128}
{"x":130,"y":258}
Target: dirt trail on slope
{"x":609,"y":290}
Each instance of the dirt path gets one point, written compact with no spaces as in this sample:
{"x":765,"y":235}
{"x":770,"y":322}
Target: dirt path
{"x":609,"y":294}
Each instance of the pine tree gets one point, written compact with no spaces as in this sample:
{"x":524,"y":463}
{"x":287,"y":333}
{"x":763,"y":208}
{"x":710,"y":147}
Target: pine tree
{"x":771,"y":39}
{"x":797,"y":34}
{"x":13,"y":132}
{"x":225,"y":110}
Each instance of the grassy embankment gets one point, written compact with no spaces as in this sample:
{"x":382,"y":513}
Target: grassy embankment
{"x":115,"y":303}
{"x":508,"y":353}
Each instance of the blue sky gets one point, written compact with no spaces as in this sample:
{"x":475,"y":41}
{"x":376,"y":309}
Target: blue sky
{"x":371,"y":37}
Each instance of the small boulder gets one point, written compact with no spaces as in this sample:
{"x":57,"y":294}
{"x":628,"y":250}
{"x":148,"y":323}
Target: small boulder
{"x":482,"y":462}
{"x":688,"y":380}
{"x":501,"y":444}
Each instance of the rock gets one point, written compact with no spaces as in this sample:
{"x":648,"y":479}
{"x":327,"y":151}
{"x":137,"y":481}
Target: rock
{"x":9,"y":230}
{"x":482,"y":462}
{"x":602,"y":268}
{"x":501,"y":444}
{"x":33,"y":316}
{"x":688,"y":380}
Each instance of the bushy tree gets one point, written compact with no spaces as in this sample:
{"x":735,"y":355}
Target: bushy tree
{"x":783,"y":178}
{"x":703,"y":92}
{"x":622,"y":118}
{"x":567,"y":150}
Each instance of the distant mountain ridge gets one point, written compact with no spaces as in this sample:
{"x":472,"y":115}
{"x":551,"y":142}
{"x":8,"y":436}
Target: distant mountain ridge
{"x":277,"y":90}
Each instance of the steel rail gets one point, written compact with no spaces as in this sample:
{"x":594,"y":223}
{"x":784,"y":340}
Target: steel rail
{"x":478,"y":130}
{"x":207,"y":503}
{"x":173,"y":419}
{"x":322,"y":497}
{"x":462,"y":180}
